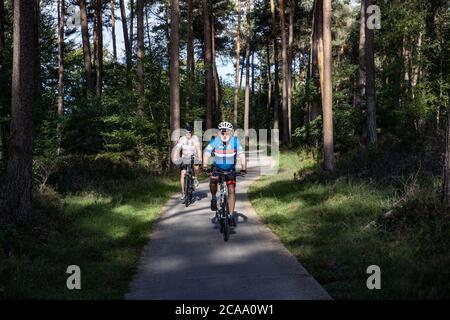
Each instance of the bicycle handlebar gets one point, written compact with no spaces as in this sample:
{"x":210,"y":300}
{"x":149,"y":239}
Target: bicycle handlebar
{"x":225,"y":173}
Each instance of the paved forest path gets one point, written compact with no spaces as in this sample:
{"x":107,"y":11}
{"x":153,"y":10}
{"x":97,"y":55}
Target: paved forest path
{"x":187,"y":258}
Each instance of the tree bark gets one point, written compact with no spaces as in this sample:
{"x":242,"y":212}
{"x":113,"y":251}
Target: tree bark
{"x":242,"y":71}
{"x":208,"y":63}
{"x":86,"y":48}
{"x":140,"y":57}
{"x":147,"y":27}
{"x":370,"y":81}
{"x":252,"y":63}
{"x":215,"y":73}
{"x":131,"y":25}
{"x":238,"y":60}
{"x":247,"y":73}
{"x":99,"y":46}
{"x":174,"y":66}
{"x":290,"y":61}
{"x":126,"y":39}
{"x":260,"y":90}
{"x":361,"y":75}
{"x":313,"y":106}
{"x":285,"y":134}
{"x":319,"y":41}
{"x":327,"y":98}
{"x":60,"y":110}
{"x":276,"y":102}
{"x":18,"y":179}
{"x":113,"y":29}
{"x":190,"y":56}
{"x":269,"y":84}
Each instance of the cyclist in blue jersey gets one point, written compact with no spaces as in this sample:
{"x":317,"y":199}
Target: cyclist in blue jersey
{"x":225,"y":150}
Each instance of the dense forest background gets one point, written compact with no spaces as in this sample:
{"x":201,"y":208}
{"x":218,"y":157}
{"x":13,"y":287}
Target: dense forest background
{"x":89,"y":102}
{"x":365,"y":102}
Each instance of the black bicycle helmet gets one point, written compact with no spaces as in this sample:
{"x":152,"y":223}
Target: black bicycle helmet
{"x":188,"y":127}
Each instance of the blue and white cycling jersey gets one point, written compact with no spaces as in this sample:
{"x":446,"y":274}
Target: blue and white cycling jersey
{"x":224,"y":155}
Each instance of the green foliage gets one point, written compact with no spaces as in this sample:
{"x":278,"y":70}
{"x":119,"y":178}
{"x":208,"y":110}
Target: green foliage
{"x":102,"y":229}
{"x":337,"y":226}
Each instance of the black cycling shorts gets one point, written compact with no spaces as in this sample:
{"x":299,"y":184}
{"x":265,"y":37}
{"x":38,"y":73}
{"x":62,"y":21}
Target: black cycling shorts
{"x":229,"y":178}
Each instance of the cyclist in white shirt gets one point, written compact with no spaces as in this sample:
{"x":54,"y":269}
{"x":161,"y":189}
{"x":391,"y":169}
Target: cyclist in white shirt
{"x":189,"y":145}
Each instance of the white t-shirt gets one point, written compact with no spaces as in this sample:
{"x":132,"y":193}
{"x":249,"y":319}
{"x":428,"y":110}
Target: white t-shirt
{"x":188,"y":146}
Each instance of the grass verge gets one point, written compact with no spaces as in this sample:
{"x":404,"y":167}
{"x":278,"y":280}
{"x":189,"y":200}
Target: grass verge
{"x":326,"y":224}
{"x":102,"y":230}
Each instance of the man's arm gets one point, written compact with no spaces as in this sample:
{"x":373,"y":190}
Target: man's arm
{"x":175,"y":155}
{"x":207,"y":155}
{"x":199,"y":149}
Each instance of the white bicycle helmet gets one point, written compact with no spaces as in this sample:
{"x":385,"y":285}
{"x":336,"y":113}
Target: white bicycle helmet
{"x":225,"y":125}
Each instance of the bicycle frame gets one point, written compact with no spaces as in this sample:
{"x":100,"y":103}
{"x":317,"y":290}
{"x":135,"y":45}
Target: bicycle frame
{"x":223,"y":214}
{"x":189,"y":182}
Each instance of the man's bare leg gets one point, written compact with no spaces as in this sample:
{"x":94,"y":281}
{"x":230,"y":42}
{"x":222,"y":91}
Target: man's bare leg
{"x":213,"y":188}
{"x":197,"y":169}
{"x":231,"y":197}
{"x":182,"y":175}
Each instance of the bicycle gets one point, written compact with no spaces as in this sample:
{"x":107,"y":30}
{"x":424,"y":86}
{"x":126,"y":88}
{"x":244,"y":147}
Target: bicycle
{"x":189,"y":183}
{"x":223,"y":215}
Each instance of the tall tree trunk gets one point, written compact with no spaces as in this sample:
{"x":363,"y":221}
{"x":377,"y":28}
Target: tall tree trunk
{"x":132,"y":25}
{"x":190,"y":56}
{"x":140,"y":57}
{"x":238,"y":60}
{"x":247,"y":73}
{"x":446,"y":171}
{"x":174,"y":66}
{"x":276,"y":100}
{"x":260,"y":90}
{"x":361,"y":75}
{"x":60,"y":110}
{"x":113,"y":29}
{"x":18,"y":179}
{"x":370,"y":82}
{"x":313,"y":107}
{"x":327,"y":98}
{"x":86,"y":48}
{"x":416,"y":68}
{"x":252,"y":63}
{"x":147,"y":27}
{"x":242,"y":71}
{"x":252,"y":96}
{"x":319,"y":41}
{"x":215,"y":73}
{"x":290,"y":61}
{"x":126,"y":39}
{"x":269,"y":84}
{"x":99,"y":46}
{"x":285,"y":133}
{"x":208,"y":63}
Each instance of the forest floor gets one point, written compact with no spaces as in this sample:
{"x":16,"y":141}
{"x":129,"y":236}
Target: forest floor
{"x":338,"y":226}
{"x":102,"y":230}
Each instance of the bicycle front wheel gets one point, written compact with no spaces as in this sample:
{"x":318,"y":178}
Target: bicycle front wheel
{"x":226,"y":225}
{"x":187,"y":190}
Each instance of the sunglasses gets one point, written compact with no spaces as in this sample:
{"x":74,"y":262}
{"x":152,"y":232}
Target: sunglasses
{"x":224,"y":132}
